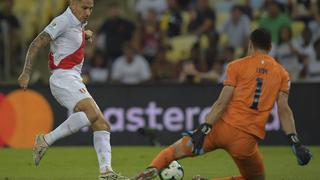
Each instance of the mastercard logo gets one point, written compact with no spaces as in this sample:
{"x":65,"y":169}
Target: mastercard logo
{"x":23,"y":114}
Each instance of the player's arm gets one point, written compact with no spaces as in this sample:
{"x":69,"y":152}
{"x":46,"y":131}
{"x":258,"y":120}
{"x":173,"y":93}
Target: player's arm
{"x":285,"y":114}
{"x":220,"y":105}
{"x":42,"y":40}
{"x":213,"y":116}
{"x":217,"y":109}
{"x":287,"y":121}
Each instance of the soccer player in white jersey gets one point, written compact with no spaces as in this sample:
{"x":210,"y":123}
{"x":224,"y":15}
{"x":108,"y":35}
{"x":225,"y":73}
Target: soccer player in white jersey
{"x":66,"y":35}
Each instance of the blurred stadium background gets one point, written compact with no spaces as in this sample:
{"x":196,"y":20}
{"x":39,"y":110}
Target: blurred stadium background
{"x":184,"y":46}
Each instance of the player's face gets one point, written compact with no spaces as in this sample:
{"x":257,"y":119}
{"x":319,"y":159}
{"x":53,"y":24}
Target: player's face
{"x":82,"y":9}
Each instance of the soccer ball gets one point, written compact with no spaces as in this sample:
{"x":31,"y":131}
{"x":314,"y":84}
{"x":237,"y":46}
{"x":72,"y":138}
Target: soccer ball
{"x":173,"y":172}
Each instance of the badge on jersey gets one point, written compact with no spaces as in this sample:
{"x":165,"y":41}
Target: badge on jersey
{"x":53,"y":25}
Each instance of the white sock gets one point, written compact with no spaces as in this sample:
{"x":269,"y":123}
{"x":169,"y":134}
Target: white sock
{"x":72,"y":125}
{"x":101,"y":142}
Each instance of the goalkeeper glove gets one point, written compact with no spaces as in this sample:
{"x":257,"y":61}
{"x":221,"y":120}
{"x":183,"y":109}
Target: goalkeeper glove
{"x":302,"y":153}
{"x":197,"y":137}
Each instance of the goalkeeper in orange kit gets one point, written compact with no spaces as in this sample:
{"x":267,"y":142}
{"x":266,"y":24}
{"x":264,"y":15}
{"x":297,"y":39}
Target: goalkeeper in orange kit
{"x":237,"y":119}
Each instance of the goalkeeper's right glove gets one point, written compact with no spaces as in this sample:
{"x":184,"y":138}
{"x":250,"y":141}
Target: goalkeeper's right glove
{"x":198,"y":136}
{"x":302,"y":153}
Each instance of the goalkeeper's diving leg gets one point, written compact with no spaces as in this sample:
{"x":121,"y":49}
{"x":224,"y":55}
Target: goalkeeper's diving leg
{"x":181,"y":149}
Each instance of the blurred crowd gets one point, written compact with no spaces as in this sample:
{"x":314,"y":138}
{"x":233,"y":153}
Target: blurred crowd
{"x":183,"y":41}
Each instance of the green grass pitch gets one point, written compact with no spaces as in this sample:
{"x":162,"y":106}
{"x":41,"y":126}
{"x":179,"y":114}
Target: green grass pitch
{"x":73,"y":163}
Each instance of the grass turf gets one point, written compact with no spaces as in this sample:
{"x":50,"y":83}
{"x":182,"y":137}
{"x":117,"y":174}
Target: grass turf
{"x":73,"y":163}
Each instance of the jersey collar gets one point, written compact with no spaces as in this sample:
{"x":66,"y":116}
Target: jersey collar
{"x":74,"y":19}
{"x":258,"y":53}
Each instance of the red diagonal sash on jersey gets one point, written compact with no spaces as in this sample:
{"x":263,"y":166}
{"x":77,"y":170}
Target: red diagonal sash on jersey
{"x":71,"y":60}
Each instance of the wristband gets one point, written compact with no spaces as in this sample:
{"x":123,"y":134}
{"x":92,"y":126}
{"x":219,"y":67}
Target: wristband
{"x":205,"y":128}
{"x":293,"y":139}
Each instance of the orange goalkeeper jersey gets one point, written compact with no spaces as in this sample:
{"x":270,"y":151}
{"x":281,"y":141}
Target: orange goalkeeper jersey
{"x":257,"y":79}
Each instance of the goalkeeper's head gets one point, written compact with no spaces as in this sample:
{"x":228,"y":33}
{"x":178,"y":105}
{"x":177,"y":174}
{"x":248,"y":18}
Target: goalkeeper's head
{"x":260,"y":39}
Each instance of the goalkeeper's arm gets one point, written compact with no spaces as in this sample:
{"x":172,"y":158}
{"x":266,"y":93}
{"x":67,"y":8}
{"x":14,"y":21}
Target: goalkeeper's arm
{"x":214,"y":115}
{"x":287,"y":121}
{"x":220,"y":105}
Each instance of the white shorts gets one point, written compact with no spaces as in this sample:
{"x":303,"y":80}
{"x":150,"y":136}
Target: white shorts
{"x":67,"y":87}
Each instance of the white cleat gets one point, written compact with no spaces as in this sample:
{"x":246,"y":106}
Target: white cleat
{"x":39,"y":149}
{"x":112,"y":176}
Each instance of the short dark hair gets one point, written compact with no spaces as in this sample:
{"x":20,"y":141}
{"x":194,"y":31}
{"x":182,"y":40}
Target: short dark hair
{"x":261,"y":39}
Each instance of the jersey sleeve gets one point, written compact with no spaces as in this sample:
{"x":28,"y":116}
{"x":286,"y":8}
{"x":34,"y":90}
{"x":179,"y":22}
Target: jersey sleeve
{"x":231,"y":79}
{"x":285,"y":82}
{"x":57,"y":27}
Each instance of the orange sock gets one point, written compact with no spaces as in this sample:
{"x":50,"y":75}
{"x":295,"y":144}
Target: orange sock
{"x":230,"y":178}
{"x":171,"y":153}
{"x":164,"y":158}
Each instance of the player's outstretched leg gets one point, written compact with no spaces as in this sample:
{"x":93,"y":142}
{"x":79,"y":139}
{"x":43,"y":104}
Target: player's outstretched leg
{"x":182,"y":148}
{"x":71,"y":125}
{"x":39,"y":149}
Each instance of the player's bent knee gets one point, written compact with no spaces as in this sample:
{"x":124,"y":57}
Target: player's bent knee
{"x":89,"y":108}
{"x":93,"y":117}
{"x":101,"y":125}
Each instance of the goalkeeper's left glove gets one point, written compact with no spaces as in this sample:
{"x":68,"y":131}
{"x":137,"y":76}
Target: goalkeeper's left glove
{"x":302,"y":153}
{"x":197,"y":137}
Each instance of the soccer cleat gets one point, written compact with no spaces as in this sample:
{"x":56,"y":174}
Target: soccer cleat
{"x":198,"y":177}
{"x":39,"y":149}
{"x":112,"y":176}
{"x":147,"y":174}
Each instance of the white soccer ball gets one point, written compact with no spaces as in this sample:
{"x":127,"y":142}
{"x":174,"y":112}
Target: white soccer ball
{"x":173,"y":172}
